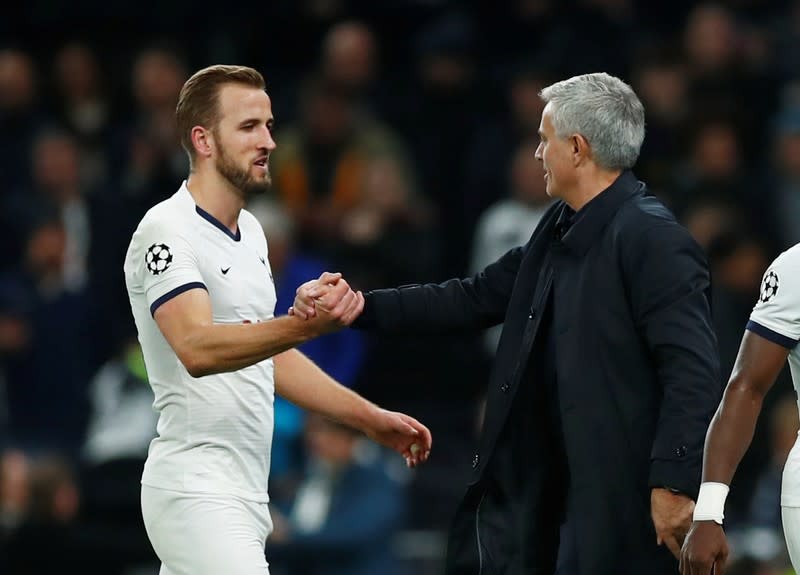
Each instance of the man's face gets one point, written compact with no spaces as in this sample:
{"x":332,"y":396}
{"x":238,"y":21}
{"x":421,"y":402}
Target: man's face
{"x":557,"y":156}
{"x":243,"y":138}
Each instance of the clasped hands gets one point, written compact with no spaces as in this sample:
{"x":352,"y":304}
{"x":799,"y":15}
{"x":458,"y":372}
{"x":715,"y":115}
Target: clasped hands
{"x":330,"y":298}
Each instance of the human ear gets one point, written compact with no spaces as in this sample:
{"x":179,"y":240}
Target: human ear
{"x":203,"y":141}
{"x":580,"y":148}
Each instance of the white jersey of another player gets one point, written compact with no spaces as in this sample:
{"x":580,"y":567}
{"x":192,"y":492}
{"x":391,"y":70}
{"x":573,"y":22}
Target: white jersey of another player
{"x":776,"y":317}
{"x":215,"y":431}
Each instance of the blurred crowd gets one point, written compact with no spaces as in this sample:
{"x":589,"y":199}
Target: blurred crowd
{"x":406,"y":131}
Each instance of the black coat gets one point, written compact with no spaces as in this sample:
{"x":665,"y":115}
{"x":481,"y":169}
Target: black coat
{"x":636,"y":362}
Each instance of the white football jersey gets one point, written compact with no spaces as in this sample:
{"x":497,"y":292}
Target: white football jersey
{"x":214,"y":432}
{"x":776,"y":317}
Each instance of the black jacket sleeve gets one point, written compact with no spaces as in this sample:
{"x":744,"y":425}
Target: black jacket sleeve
{"x":455,"y":305}
{"x":671,"y":303}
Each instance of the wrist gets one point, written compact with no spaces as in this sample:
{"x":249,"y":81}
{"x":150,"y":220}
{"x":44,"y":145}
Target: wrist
{"x":307,"y":329}
{"x":363,"y":416}
{"x":710,"y":504}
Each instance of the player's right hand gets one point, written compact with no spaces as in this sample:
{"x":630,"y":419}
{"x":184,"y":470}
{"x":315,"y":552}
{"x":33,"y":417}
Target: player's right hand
{"x":304,"y":305}
{"x":705,"y":549}
{"x":338,"y":307}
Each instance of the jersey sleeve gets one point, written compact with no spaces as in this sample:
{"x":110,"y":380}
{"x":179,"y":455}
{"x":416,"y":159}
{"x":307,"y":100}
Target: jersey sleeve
{"x":776,"y":315}
{"x":168,"y":264}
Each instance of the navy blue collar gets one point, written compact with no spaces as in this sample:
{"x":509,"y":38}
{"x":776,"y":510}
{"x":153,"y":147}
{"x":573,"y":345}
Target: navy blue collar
{"x":212,"y":220}
{"x":580,"y":230}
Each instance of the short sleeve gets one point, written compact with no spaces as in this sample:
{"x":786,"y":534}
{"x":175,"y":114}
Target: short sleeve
{"x":776,"y":315}
{"x":168,"y":264}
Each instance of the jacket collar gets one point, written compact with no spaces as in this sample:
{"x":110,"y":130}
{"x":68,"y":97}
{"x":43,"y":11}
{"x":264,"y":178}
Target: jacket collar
{"x":587,"y":224}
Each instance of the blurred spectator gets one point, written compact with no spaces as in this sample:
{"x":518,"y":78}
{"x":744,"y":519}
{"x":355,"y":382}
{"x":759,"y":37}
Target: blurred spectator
{"x":14,"y":491}
{"x":53,"y":508}
{"x":20,"y":117}
{"x":785,"y":203}
{"x":442,"y":105}
{"x":348,"y":508}
{"x":148,"y":160}
{"x":714,"y":173}
{"x":486,"y":176}
{"x":319,"y":163}
{"x":662,"y":82}
{"x":57,"y":189}
{"x":388,"y":237}
{"x":94,"y":226}
{"x":720,"y":78}
{"x":711,"y":40}
{"x":737,"y":260}
{"x":350,"y":63}
{"x":47,"y":375}
{"x":83,"y":107}
{"x":707,"y":220}
{"x":122,"y":422}
{"x":510,"y":222}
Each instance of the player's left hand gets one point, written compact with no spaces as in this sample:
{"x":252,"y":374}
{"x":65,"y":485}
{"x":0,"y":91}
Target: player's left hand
{"x":402,"y":433}
{"x":672,"y":517}
{"x":705,"y":550}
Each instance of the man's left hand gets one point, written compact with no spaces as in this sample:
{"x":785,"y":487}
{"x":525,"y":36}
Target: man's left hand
{"x":402,"y":433}
{"x":672,"y":517}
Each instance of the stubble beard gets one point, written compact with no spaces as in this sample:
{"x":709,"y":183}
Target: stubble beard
{"x":241,"y":179}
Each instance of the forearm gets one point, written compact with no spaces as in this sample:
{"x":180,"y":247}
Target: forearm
{"x":731,"y":432}
{"x":299,"y":380}
{"x":690,"y":395}
{"x":218,"y":348}
{"x":453,"y":306}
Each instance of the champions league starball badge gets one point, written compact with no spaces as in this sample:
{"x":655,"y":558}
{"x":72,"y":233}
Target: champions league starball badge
{"x":158,"y":258}
{"x":769,"y":286}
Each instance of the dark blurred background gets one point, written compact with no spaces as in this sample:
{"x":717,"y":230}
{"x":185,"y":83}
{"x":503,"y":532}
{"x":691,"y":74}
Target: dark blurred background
{"x":406,"y":131}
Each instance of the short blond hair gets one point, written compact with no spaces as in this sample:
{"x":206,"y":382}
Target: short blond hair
{"x":198,"y":102}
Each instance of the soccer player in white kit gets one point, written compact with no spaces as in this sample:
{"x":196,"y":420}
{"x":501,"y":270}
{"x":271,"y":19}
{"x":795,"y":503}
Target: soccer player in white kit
{"x":202,"y":296}
{"x":771,"y":336}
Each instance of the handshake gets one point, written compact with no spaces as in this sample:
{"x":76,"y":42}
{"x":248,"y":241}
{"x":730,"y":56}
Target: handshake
{"x":328,"y":301}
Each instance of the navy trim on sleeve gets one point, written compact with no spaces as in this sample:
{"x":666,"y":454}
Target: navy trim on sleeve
{"x":218,"y":224}
{"x":772,"y":336}
{"x":175,"y":292}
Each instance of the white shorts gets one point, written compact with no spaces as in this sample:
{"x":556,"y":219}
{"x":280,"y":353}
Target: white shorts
{"x":202,"y":534}
{"x":791,"y":530}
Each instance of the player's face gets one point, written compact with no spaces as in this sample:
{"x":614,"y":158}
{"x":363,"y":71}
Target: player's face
{"x":557,"y":157}
{"x":243,"y":138}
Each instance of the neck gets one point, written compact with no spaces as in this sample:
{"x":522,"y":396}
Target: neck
{"x":589,"y":186}
{"x":216,"y":195}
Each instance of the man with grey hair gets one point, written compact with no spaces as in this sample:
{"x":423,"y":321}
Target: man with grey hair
{"x":607,"y":372}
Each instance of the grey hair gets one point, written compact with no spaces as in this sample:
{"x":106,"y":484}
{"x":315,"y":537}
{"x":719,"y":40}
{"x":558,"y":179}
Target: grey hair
{"x":604,"y":110}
